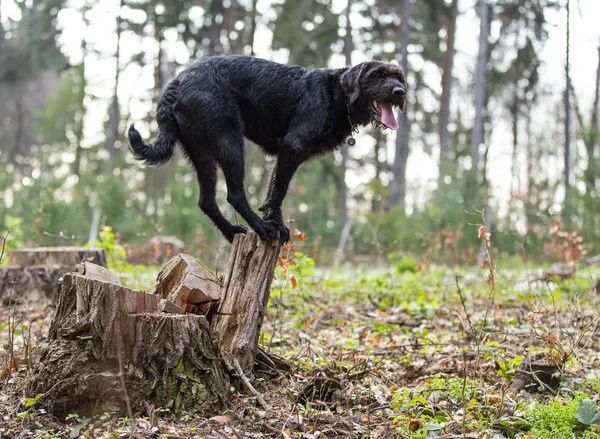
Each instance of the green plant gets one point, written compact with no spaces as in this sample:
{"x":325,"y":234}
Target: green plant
{"x":562,"y":419}
{"x":115,"y":252}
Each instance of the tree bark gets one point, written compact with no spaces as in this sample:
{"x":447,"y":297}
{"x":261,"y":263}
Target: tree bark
{"x":80,"y":116}
{"x":113,"y":131}
{"x":591,"y":145}
{"x":343,"y":187}
{"x":567,"y":109}
{"x":104,"y":348}
{"x":480,"y":86}
{"x":214,"y":28}
{"x":398,"y":184}
{"x":253,"y":27}
{"x":33,"y":273}
{"x":447,"y":87}
{"x":66,"y":257}
{"x":514,"y":111}
{"x":238,"y":319}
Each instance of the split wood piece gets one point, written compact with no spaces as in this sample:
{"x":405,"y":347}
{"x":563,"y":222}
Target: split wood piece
{"x":183,"y":280}
{"x":237,"y":322}
{"x":67,"y":257}
{"x":32,"y":284}
{"x":93,"y":271}
{"x":169,"y":307}
{"x":168,"y":360}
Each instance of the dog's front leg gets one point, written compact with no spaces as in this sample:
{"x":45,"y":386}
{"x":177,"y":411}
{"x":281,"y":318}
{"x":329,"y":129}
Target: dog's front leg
{"x":282,"y":174}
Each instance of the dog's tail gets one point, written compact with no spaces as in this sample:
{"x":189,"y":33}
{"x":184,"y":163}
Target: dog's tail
{"x":161,"y":150}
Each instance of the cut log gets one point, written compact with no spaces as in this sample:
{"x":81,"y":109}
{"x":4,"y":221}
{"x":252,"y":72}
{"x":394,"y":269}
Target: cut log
{"x":184,"y":281}
{"x":237,"y":322}
{"x":67,"y":257}
{"x":30,"y":284}
{"x":101,"y":328}
{"x":33,"y":273}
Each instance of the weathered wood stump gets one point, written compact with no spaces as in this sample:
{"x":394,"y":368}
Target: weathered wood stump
{"x":33,"y":273}
{"x":55,"y":257}
{"x":107,"y":345}
{"x":31,"y":283}
{"x":237,"y":322}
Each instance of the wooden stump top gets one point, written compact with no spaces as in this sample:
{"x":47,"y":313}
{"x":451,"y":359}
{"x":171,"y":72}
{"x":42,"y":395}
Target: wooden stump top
{"x":67,"y":257}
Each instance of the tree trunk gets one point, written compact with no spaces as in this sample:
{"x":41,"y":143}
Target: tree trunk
{"x":480,"y":85}
{"x":214,"y":28}
{"x":253,"y":27}
{"x":377,"y":185}
{"x":343,"y":187}
{"x":515,"y":185}
{"x":105,"y":348}
{"x":113,"y":131}
{"x":591,"y":145}
{"x":447,"y":87}
{"x":398,"y":184}
{"x":567,"y":109}
{"x":80,"y":116}
{"x":238,"y":319}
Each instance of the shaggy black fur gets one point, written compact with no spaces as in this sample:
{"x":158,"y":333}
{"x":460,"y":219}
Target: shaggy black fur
{"x":291,"y":112}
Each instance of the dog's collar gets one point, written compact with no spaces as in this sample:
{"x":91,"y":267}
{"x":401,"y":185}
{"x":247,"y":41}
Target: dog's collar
{"x":353,"y":128}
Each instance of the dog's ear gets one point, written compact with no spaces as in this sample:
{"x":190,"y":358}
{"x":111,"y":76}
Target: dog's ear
{"x":350,"y":81}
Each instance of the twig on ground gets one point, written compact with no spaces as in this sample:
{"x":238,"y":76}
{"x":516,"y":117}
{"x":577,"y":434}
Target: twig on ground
{"x":249,"y":386}
{"x":463,"y":303}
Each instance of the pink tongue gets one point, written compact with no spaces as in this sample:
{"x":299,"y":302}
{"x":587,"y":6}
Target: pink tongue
{"x":387,"y":116}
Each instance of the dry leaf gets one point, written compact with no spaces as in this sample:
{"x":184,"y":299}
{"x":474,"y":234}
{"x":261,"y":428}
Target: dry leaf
{"x":294,"y":282}
{"x":481,"y":232}
{"x":300,"y":235}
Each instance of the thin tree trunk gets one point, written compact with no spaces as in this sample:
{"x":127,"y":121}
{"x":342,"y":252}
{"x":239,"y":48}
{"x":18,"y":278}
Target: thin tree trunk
{"x":514,"y":111}
{"x":398,"y":185}
{"x":80,"y":117}
{"x":375,"y":202}
{"x":253,"y":27}
{"x":19,"y":123}
{"x":447,"y":86}
{"x":214,"y":28}
{"x":594,"y":134}
{"x":480,"y":84}
{"x":343,"y":188}
{"x":113,"y":134}
{"x":567,"y":148}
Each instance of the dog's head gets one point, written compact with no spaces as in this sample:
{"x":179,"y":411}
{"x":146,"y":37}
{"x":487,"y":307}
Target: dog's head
{"x":372,"y":91}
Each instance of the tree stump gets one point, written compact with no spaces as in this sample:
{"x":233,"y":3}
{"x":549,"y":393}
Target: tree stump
{"x":108,"y":345}
{"x":67,"y":257}
{"x":33,"y":273}
{"x":238,"y":319}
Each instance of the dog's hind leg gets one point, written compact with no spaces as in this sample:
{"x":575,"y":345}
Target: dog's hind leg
{"x":230,"y":156}
{"x":206,"y":170}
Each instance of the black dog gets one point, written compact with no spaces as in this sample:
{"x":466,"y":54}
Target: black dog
{"x":291,"y":112}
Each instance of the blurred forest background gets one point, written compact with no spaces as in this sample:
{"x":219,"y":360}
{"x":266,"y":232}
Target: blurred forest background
{"x":498,"y":118}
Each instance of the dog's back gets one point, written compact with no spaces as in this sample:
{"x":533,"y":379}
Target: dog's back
{"x":259,"y":95}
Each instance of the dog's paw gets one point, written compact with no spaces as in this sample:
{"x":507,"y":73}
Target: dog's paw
{"x":269,"y":231}
{"x":284,"y":232}
{"x":235,"y":229}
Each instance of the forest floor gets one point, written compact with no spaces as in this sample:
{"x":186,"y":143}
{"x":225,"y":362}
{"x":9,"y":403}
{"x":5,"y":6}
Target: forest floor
{"x":398,"y":352}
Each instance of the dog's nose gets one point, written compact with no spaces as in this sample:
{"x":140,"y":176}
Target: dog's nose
{"x":398,"y":91}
